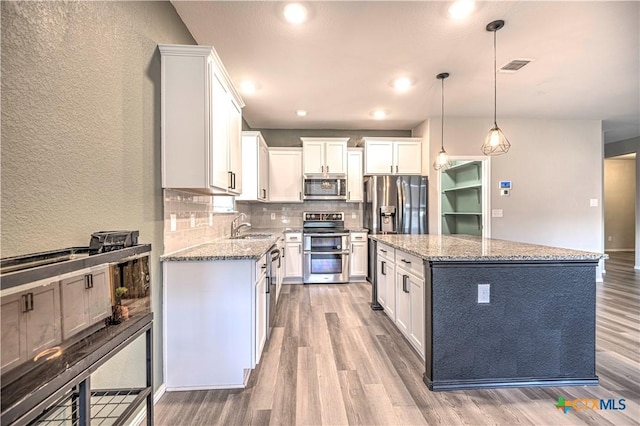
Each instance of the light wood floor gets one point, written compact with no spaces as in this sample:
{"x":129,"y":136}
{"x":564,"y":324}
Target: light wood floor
{"x":331,"y":360}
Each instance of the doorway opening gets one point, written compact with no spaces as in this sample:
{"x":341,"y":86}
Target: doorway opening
{"x":619,"y":204}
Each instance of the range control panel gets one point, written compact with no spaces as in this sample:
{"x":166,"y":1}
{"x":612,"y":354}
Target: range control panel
{"x":321,"y":216}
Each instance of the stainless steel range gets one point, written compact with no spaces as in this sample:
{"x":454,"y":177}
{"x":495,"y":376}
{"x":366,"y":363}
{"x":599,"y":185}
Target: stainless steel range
{"x":325,"y":248}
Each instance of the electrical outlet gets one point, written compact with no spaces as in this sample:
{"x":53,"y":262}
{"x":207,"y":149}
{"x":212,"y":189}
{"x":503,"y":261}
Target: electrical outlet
{"x":193,"y":220}
{"x":484,"y":291}
{"x":273,"y":216}
{"x":610,"y":238}
{"x":353,"y":215}
{"x":173,"y":220}
{"x":593,"y":202}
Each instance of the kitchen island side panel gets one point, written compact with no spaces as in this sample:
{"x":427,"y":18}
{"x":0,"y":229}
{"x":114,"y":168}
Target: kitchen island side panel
{"x":538,"y":327}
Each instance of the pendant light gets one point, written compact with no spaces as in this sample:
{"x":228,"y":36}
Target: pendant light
{"x":496,"y":142}
{"x":443,"y":162}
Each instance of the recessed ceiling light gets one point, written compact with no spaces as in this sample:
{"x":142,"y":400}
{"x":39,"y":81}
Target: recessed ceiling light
{"x":379,"y":114}
{"x":402,"y":84}
{"x":301,"y":113}
{"x":295,"y":13}
{"x":248,"y":87}
{"x":460,"y":9}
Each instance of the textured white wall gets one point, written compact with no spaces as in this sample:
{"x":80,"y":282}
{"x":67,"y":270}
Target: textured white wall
{"x":619,"y":204}
{"x":81,"y":125}
{"x":556,"y":168}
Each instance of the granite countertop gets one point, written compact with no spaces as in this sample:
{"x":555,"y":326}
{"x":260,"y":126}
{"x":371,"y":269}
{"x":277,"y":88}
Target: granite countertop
{"x":226,"y":249}
{"x":470,"y":248}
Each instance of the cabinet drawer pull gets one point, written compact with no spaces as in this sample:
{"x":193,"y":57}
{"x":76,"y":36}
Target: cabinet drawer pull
{"x":405,"y":261}
{"x":357,"y":238}
{"x":384,"y":251}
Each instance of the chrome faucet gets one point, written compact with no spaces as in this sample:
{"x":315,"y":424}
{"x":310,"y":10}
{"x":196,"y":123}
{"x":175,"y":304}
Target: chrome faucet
{"x":235,"y":226}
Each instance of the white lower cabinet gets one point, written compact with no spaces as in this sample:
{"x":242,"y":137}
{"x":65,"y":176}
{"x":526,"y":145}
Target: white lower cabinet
{"x":30,"y":324}
{"x":358,"y":255}
{"x":214,"y":318}
{"x":85,"y":300}
{"x":400,"y":285}
{"x":293,"y":257}
{"x":261,"y":319}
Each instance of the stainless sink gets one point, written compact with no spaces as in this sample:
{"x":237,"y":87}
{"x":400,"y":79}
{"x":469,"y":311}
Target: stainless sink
{"x":253,"y":237}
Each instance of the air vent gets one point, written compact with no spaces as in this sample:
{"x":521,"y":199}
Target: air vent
{"x":514,"y":65}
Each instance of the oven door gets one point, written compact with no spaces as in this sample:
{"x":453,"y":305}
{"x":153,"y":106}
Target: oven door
{"x":324,"y":242}
{"x":326,"y":267}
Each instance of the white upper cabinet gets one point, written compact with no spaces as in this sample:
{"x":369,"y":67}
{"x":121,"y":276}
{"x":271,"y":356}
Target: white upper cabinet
{"x":285,"y":175}
{"x":201,"y":122}
{"x":325,"y":155}
{"x":354,"y":175}
{"x":396,"y":156}
{"x":255,"y":167}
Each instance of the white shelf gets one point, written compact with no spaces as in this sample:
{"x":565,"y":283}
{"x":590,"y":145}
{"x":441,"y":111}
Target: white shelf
{"x":462,"y":166}
{"x":462,"y":188}
{"x":461,"y":214}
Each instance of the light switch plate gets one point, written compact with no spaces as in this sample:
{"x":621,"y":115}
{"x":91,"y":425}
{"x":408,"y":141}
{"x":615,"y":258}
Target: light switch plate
{"x":593,"y":202}
{"x":173,"y":220}
{"x":192,"y":220}
{"x":496,"y":213}
{"x":484,"y":293}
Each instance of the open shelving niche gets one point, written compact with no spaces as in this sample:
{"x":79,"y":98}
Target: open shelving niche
{"x":461,"y":198}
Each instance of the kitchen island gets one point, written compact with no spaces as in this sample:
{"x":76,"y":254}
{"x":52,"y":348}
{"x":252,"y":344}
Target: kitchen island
{"x":494,"y":313}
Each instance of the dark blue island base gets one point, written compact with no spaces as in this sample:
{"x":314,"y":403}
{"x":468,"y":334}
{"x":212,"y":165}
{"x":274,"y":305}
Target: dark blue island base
{"x":537,"y":330}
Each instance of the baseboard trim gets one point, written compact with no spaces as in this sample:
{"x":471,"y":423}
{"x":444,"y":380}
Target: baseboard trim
{"x":451,"y":385}
{"x":142,"y":415}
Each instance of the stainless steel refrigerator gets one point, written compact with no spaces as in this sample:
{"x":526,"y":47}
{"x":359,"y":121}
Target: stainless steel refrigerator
{"x":393,"y":205}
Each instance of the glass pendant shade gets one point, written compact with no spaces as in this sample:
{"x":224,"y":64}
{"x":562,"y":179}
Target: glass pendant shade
{"x":496,"y":142}
{"x":443,"y":161}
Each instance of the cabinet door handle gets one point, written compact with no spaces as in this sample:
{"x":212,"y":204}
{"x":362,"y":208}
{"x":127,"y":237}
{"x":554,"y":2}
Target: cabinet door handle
{"x":283,"y":252}
{"x":264,"y":194}
{"x":382,"y":270}
{"x":351,"y":247}
{"x":322,"y":169}
{"x":404,"y":283}
{"x":396,"y":169}
{"x":391,"y":168}
{"x":25,"y":302}
{"x":233,"y":180}
{"x":31,"y":301}
{"x":230,"y":186}
{"x":349,"y":194}
{"x":327,"y":169}
{"x":300,"y":195}
{"x":87,"y":282}
{"x":299,"y":249}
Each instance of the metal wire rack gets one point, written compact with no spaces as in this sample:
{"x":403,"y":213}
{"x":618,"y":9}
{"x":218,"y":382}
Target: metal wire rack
{"x":107,"y":406}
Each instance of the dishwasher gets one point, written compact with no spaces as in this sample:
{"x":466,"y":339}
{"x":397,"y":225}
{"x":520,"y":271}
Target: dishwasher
{"x":273,"y":268}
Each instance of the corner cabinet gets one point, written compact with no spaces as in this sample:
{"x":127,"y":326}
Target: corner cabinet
{"x":354,"y":175}
{"x":201,"y":115}
{"x":285,"y":175}
{"x":324,"y":156}
{"x":392,"y":156}
{"x":255,"y":168}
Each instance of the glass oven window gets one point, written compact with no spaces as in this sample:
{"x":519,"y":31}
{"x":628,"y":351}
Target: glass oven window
{"x":326,"y":264}
{"x":326,"y":243}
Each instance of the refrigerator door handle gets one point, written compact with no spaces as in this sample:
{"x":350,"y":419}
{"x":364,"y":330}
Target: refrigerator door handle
{"x":400,"y":208}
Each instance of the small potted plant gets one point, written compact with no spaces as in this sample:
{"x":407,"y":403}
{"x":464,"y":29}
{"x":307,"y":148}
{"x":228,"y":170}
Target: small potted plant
{"x":120,"y":313}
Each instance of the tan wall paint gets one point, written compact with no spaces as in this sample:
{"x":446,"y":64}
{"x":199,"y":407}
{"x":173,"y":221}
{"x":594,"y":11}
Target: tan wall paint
{"x":619,"y":204}
{"x":81,"y":125}
{"x":555,"y":167}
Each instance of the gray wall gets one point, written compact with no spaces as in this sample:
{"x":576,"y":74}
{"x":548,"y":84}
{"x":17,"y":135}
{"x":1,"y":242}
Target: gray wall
{"x":626,"y":147}
{"x":291,"y":137}
{"x":555,"y":167}
{"x":81,"y":125}
{"x":619,"y":204}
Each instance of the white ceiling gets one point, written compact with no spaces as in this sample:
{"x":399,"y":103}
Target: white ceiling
{"x":339,"y":64}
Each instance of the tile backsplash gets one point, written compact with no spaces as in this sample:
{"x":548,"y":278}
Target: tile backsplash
{"x":195,"y":222}
{"x":289,"y":215}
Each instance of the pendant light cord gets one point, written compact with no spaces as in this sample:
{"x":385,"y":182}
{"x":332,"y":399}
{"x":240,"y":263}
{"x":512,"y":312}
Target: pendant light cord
{"x":495,"y":82}
{"x":442,"y":121}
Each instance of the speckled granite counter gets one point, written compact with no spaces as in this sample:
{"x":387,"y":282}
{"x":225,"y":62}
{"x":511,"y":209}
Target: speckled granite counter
{"x":224,"y":249}
{"x":471,"y":248}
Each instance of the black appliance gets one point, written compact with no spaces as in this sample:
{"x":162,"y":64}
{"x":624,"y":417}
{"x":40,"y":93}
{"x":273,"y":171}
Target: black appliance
{"x":274,"y":258}
{"x":105,"y":241}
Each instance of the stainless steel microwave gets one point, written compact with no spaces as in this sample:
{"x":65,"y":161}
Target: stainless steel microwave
{"x":325,"y":188}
